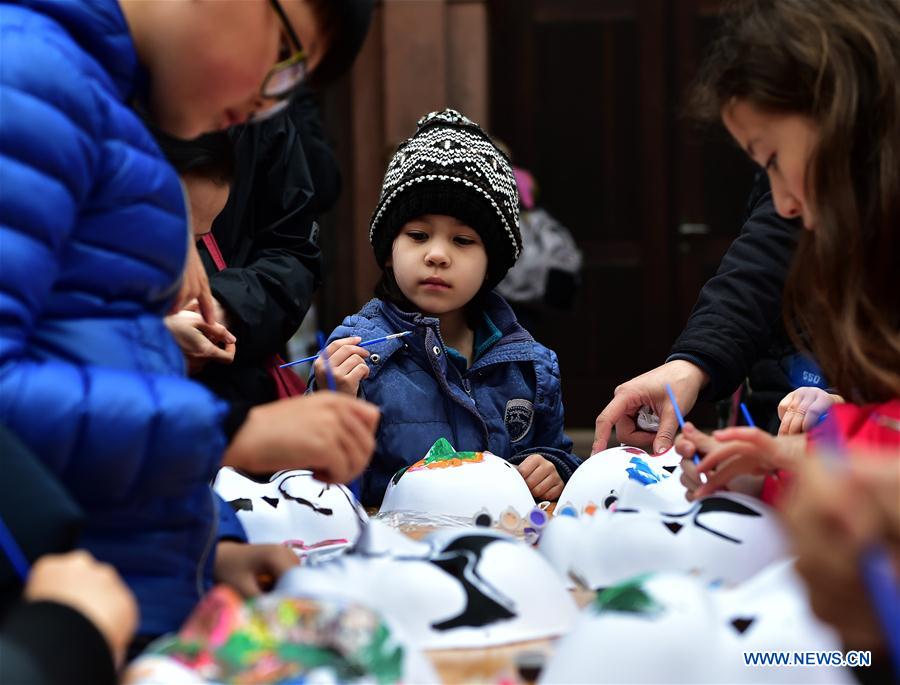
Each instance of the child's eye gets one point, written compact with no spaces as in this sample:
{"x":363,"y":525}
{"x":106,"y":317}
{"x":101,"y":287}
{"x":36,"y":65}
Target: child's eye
{"x":463,"y":240}
{"x":417,"y":236}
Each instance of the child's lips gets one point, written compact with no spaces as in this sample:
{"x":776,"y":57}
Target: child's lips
{"x":435,"y":283}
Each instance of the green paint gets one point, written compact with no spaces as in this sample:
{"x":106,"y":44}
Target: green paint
{"x":628,"y":597}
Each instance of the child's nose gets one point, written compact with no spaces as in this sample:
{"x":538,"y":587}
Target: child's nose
{"x":437,"y":254}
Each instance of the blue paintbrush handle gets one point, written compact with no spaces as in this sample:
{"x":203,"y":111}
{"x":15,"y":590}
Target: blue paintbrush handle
{"x":362,"y":344}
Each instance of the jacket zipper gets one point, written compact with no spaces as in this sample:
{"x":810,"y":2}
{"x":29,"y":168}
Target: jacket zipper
{"x":213,"y":530}
{"x":466,"y":386}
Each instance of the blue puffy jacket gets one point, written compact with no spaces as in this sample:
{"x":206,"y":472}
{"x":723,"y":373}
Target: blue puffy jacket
{"x":508,"y":401}
{"x":93,"y":238}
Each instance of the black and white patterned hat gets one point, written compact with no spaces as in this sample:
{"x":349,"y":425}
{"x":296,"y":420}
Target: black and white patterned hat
{"x":451,"y":167}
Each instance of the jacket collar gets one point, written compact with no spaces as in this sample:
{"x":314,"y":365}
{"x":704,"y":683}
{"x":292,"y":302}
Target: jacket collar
{"x":100,"y":29}
{"x":515,"y":343}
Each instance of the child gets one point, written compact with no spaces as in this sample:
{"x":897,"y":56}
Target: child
{"x":94,"y":235}
{"x":808,"y":88}
{"x":206,"y":167}
{"x":444,"y":233}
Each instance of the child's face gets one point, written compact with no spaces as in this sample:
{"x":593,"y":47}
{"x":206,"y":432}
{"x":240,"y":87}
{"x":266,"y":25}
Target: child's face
{"x":208,"y":58}
{"x":439,"y":263}
{"x":782,"y":144}
{"x":207,"y":200}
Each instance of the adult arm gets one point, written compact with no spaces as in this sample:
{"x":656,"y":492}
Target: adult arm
{"x":104,"y":432}
{"x":730,"y":327}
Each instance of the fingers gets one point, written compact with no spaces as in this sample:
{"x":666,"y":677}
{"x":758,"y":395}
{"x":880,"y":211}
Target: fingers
{"x":785,"y":403}
{"x":627,"y":432}
{"x":206,"y":302}
{"x":717,"y":457}
{"x":528,"y":465}
{"x":668,"y":426}
{"x":216,"y":332}
{"x":550,"y":488}
{"x":603,"y":426}
{"x":690,"y":478}
{"x":722,"y":476}
{"x":278,"y":559}
{"x":685,"y":448}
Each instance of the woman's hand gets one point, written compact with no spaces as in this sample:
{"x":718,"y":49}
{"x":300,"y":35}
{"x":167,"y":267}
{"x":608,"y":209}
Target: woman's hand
{"x":801,"y":409}
{"x":199,"y":341}
{"x":252,"y":569}
{"x":348,"y":365}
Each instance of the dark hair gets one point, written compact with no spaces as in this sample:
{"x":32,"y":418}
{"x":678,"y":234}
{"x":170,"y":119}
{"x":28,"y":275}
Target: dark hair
{"x":837,"y":62}
{"x":343,"y":25}
{"x":387,"y":289}
{"x":210,"y":156}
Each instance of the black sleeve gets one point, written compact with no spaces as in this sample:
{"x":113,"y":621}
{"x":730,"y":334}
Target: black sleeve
{"x":44,"y":643}
{"x":268,"y":232}
{"x":738,"y":309}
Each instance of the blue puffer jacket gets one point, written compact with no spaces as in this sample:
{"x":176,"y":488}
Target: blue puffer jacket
{"x":508,"y":401}
{"x":93,"y":237}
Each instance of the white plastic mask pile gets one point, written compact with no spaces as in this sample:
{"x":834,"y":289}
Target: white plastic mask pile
{"x":456,"y":588}
{"x":676,"y":629}
{"x":651,"y":527}
{"x":293,"y":508}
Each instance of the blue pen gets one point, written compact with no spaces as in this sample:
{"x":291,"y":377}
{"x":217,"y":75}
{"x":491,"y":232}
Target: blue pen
{"x":680,"y":418}
{"x":13,"y":551}
{"x":362,"y":344}
{"x":747,"y":417}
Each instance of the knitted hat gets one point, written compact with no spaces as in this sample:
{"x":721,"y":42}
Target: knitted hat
{"x":451,"y":167}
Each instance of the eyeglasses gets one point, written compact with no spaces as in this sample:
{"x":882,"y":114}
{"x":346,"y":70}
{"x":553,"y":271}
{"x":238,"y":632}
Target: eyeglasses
{"x":286,"y":75}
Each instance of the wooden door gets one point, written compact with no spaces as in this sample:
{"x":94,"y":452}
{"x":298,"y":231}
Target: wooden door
{"x":588,"y":95}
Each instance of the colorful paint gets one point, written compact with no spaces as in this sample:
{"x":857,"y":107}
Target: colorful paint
{"x":443,"y":456}
{"x":283,"y":640}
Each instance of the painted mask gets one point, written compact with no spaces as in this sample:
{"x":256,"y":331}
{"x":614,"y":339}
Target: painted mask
{"x":726,"y":537}
{"x":596,"y":483}
{"x":675,"y":628}
{"x":293,"y":508}
{"x":456,"y":588}
{"x":280,"y":640}
{"x":460,"y":484}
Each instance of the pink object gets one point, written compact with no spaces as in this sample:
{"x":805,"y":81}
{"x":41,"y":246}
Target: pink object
{"x":525,"y":186}
{"x":287,"y":383}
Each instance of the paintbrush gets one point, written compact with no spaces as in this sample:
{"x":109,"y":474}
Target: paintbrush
{"x":366,"y":343}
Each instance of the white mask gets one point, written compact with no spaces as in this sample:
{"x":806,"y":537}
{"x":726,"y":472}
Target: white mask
{"x":726,"y":537}
{"x":455,"y":589}
{"x":293,"y":508}
{"x":459,"y":484}
{"x":676,"y":629}
{"x":598,"y":480}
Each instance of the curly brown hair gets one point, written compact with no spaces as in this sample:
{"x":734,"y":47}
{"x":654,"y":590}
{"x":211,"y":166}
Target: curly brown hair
{"x":837,"y":62}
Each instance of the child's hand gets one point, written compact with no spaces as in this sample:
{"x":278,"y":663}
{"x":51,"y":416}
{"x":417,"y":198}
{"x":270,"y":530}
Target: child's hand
{"x":251,"y":569}
{"x":801,"y":409}
{"x":199,"y":341}
{"x":541,"y":477}
{"x":347,"y":364}
{"x":734,"y":452}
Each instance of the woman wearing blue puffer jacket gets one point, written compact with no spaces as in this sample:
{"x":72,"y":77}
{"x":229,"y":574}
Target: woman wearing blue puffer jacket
{"x":93,"y":238}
